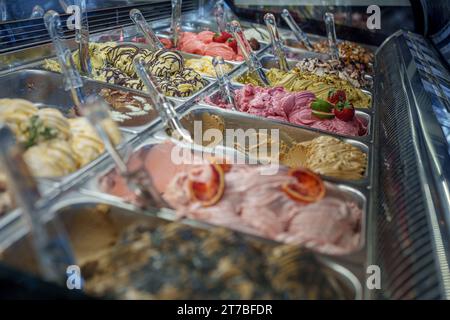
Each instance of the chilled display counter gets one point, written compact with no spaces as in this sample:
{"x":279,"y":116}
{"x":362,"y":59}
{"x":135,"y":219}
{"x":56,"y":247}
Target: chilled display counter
{"x":238,"y":151}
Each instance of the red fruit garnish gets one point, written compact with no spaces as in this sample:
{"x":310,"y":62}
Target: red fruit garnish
{"x":218,"y":38}
{"x":210,"y":192}
{"x":309,"y":187}
{"x":344,"y":111}
{"x":167,"y":43}
{"x":335,"y":96}
{"x":221,"y":37}
{"x":226,"y":35}
{"x":232,"y":43}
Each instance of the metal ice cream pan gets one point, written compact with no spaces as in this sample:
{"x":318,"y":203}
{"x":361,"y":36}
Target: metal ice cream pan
{"x":199,"y":26}
{"x":177,"y":99}
{"x":364,"y":116}
{"x":46,"y":89}
{"x":94,"y":225}
{"x":289,"y":134}
{"x":359,"y":194}
{"x":96,"y":86}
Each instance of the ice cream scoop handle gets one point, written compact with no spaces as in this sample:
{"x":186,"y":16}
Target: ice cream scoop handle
{"x":201,"y":8}
{"x":72,"y":78}
{"x":53,"y":253}
{"x":96,"y":111}
{"x":139,"y":20}
{"x":236,"y":31}
{"x":224,"y":81}
{"x":37,"y":12}
{"x":277,"y":45}
{"x":164,"y":106}
{"x":82,"y":36}
{"x":296,"y":30}
{"x":254,"y":66}
{"x":219,"y":13}
{"x":176,"y":21}
{"x":331,"y":35}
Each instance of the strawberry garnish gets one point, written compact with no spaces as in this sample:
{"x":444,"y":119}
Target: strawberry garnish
{"x":232,"y":43}
{"x":344,"y":110}
{"x":335,"y":96}
{"x":221,"y":37}
{"x":226,"y":35}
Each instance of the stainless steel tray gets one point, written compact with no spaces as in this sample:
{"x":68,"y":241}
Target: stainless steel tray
{"x":95,"y":224}
{"x":355,"y":261}
{"x":46,"y":89}
{"x":208,"y":80}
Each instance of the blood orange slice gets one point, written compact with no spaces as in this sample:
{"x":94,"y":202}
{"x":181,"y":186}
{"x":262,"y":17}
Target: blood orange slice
{"x":211,"y":191}
{"x":309,"y":187}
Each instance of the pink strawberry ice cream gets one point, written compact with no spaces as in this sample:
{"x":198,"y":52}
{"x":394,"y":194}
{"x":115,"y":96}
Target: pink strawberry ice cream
{"x":202,"y":43}
{"x":294,"y":107}
{"x":253,"y":203}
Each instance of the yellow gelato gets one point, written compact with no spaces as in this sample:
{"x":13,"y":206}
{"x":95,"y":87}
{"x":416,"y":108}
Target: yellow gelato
{"x":53,"y":158}
{"x":15,"y":113}
{"x":56,"y":146}
{"x":204,"y":66}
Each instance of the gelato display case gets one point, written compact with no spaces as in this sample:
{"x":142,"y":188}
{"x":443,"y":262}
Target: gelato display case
{"x":225,"y":149}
